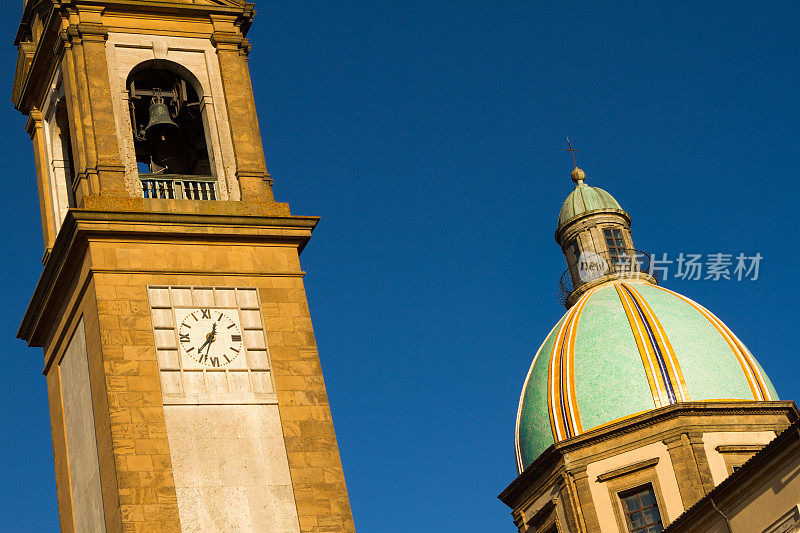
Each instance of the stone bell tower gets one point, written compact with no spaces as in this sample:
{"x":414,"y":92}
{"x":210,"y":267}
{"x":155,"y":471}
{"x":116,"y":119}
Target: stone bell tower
{"x":185,"y":388}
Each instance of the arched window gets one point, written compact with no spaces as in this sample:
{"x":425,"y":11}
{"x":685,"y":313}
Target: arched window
{"x":62,"y":151}
{"x":58,"y":150}
{"x":169,"y":134}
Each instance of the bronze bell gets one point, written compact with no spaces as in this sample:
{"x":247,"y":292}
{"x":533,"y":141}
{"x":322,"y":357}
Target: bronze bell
{"x":167,"y":146}
{"x":161,"y":124}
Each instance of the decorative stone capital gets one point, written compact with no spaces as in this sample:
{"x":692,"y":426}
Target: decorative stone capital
{"x":90,"y":31}
{"x":34,"y":122}
{"x":695,"y":437}
{"x":673,"y":441}
{"x":231,"y":42}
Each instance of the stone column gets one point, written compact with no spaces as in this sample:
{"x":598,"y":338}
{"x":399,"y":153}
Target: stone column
{"x":61,"y":463}
{"x":255,"y":183}
{"x":519,"y":521}
{"x":35,"y":129}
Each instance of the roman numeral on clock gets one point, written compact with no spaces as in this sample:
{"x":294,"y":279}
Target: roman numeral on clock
{"x":236,"y":338}
{"x":184,"y":337}
{"x":205,"y":313}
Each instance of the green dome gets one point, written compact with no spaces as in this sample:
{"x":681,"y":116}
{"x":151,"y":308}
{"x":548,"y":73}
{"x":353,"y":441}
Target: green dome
{"x":624,"y":348}
{"x":585,"y":199}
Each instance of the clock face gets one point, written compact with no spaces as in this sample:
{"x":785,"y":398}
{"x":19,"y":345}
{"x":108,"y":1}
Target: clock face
{"x":211,"y":337}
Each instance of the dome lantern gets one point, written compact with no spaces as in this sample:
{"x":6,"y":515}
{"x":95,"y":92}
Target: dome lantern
{"x":594,"y":233}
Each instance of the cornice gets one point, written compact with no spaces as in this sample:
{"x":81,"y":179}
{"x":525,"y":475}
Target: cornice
{"x":564,"y":231}
{"x":671,"y":412}
{"x":708,"y":409}
{"x":41,"y":68}
{"x":244,"y":10}
{"x":82,"y":225}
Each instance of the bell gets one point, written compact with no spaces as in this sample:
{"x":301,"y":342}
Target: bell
{"x":161,"y":123}
{"x":167,"y":146}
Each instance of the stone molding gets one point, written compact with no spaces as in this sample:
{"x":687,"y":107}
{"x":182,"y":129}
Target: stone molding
{"x":81,"y":225}
{"x":641,"y":465}
{"x":590,"y":219}
{"x":735,"y":489}
{"x":707,"y":415}
{"x":739,"y":448}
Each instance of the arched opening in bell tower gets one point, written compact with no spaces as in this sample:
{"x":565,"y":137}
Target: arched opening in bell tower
{"x":169,"y":132}
{"x":57,"y":151}
{"x":62,"y":149}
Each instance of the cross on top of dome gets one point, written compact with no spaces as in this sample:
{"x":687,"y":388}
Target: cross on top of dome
{"x":577,"y":175}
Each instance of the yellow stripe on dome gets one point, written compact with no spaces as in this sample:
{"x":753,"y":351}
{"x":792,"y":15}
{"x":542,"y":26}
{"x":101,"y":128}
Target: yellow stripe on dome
{"x":665,"y":347}
{"x":562,"y":403}
{"x":755,"y":379}
{"x":645,"y":350}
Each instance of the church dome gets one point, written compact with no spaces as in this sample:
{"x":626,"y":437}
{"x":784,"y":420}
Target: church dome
{"x":585,"y":199}
{"x":624,"y":348}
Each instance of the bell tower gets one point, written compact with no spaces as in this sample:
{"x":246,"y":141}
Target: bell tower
{"x":185,"y":388}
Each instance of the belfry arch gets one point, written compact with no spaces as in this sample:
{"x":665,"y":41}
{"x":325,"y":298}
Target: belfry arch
{"x":170,"y":132}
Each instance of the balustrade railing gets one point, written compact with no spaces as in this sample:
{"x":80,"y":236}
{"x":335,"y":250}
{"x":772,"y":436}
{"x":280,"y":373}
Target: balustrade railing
{"x":173,"y":186}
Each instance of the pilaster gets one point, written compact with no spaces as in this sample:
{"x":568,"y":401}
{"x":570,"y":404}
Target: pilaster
{"x":701,"y":460}
{"x":251,"y":168}
{"x":583,"y":497}
{"x":686,"y":472}
{"x":106,"y":165}
{"x":42,"y":181}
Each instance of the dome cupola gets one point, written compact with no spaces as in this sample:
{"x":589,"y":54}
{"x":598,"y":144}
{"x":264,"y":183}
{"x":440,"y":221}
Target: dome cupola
{"x":624,"y":348}
{"x":640,"y":400}
{"x":585,"y":200}
{"x":625,"y":345}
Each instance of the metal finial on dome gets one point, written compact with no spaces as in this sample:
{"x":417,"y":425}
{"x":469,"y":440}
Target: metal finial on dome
{"x":577,"y":175}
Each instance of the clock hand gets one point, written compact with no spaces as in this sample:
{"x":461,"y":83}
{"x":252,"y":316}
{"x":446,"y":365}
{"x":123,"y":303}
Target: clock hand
{"x":200,"y":349}
{"x":210,"y":338}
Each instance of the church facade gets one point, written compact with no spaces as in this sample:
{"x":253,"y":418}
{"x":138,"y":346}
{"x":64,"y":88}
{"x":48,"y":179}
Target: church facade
{"x":640,"y":402}
{"x":185,"y":388}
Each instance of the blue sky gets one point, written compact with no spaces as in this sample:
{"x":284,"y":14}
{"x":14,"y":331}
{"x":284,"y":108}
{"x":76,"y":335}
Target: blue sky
{"x":429,"y":136}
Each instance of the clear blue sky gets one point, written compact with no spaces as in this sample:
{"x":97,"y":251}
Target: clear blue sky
{"x":429,"y":136}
